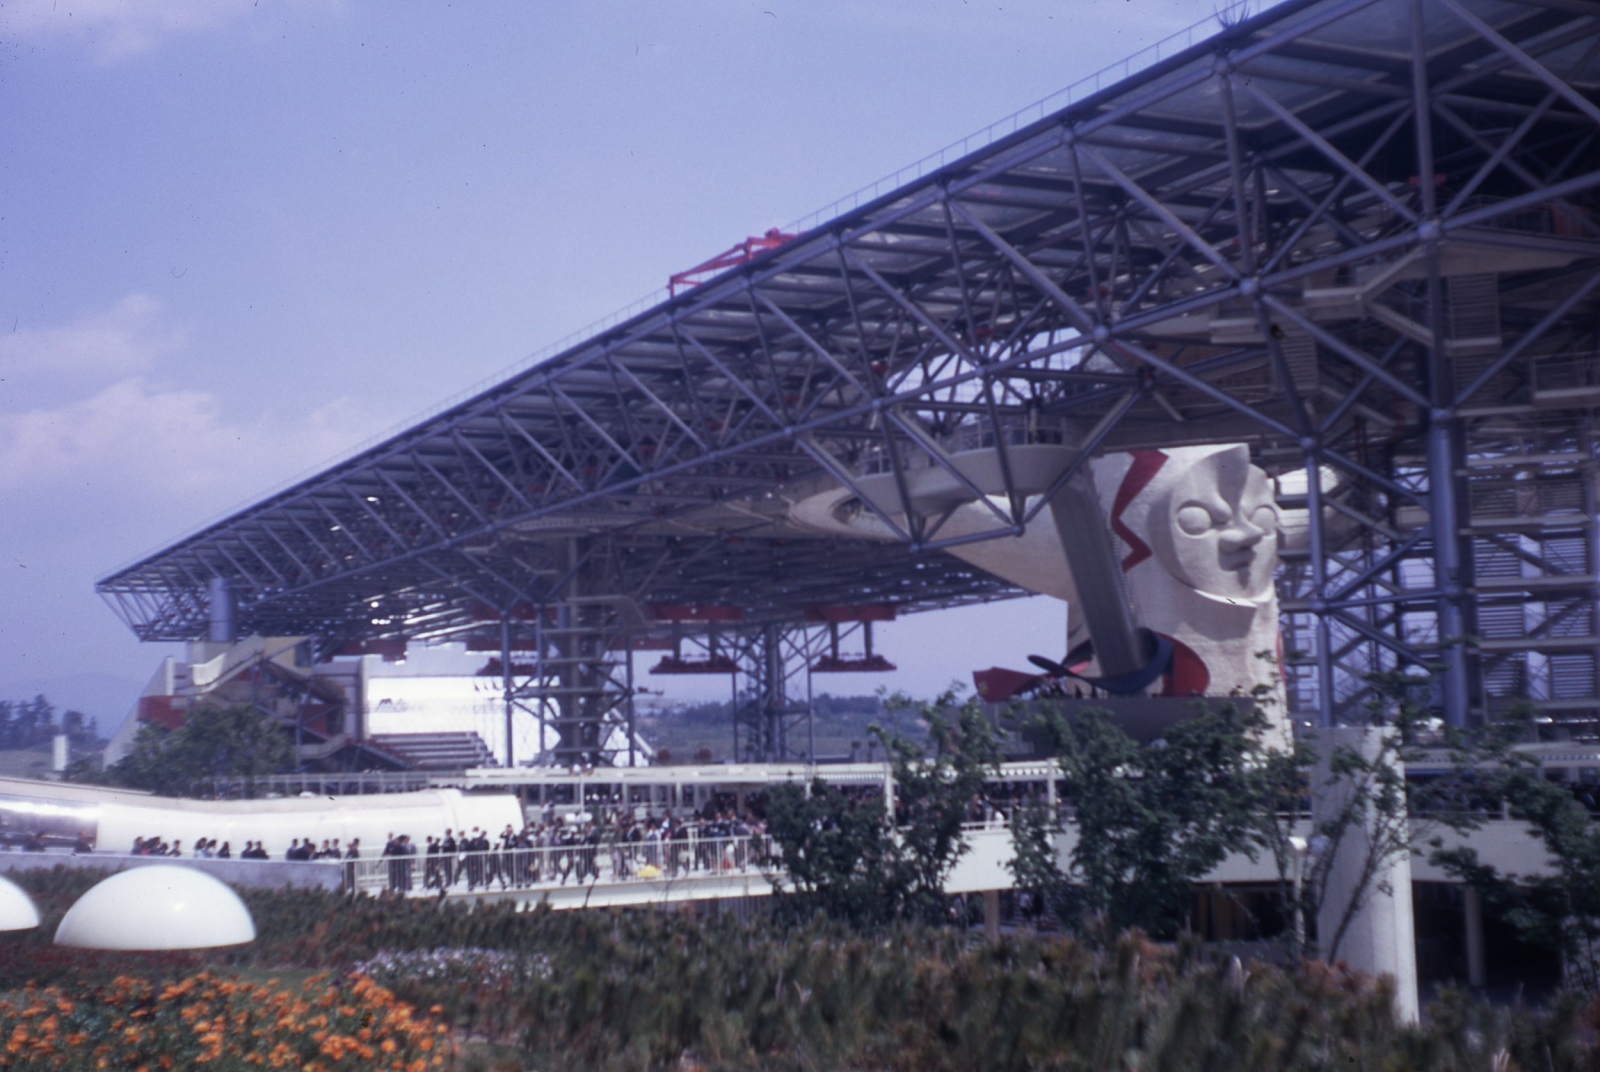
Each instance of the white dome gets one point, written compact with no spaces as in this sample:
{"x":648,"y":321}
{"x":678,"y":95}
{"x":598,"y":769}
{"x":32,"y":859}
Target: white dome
{"x":17,"y":912}
{"x":157,"y":907}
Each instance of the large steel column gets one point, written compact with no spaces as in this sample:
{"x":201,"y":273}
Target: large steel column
{"x":1319,"y":589}
{"x":1445,"y":438}
{"x":768,"y":657}
{"x":1452,"y":573}
{"x":221,"y":628}
{"x":578,"y":688}
{"x":508,"y":691}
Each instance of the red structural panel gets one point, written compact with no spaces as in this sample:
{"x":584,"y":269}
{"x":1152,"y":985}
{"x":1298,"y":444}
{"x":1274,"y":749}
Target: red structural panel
{"x":846,"y":612}
{"x":870,"y":664}
{"x":717,"y":664}
{"x":161,"y":711}
{"x":694,"y":612}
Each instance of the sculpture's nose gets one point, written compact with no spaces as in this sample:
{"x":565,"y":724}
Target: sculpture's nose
{"x":1241,"y":534}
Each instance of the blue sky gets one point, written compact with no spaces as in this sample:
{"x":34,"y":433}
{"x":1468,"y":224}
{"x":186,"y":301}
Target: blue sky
{"x":238,"y":238}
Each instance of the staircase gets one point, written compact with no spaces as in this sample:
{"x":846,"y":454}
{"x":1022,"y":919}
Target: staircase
{"x":437,"y":751}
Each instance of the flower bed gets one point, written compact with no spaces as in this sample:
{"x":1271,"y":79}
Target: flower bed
{"x":476,"y":990}
{"x":218,"y":1023}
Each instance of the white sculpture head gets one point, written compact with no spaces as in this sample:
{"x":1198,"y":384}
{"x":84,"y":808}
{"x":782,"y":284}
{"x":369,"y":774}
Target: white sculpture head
{"x":1214,"y":524}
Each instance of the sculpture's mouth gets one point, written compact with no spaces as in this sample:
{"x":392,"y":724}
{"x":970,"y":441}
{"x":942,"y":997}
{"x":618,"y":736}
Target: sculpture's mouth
{"x":1238,"y":559}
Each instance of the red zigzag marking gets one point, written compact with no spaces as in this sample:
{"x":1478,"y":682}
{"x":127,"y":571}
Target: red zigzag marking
{"x":1146,"y":464}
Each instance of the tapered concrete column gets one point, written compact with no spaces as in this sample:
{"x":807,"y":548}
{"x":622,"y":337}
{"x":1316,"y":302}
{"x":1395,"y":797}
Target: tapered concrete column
{"x":1472,"y":904}
{"x":1380,"y":936}
{"x":1096,"y":571}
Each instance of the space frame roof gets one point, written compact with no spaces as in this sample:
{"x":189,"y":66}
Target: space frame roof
{"x":981,"y":295}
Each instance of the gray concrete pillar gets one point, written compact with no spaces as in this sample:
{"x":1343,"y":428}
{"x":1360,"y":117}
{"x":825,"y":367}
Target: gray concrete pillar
{"x":1379,"y":936}
{"x":1472,"y":904}
{"x":991,"y":915}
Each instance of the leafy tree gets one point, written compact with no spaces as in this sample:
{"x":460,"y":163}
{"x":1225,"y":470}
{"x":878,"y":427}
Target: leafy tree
{"x":81,"y":730}
{"x":1154,"y":819}
{"x":846,"y":858}
{"x":1367,"y":815}
{"x":1558,"y":910}
{"x":1561,"y":910}
{"x":837,"y":853}
{"x":33,"y":722}
{"x":933,"y":788}
{"x":213,"y":742}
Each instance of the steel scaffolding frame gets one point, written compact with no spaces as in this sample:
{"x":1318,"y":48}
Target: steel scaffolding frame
{"x":1359,"y":235}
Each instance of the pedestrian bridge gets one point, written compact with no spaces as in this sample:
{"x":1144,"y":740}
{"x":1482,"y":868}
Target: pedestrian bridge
{"x":634,"y":873}
{"x":678,"y":872}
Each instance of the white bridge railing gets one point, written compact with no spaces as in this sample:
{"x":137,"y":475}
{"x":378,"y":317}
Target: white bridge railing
{"x":553,"y":866}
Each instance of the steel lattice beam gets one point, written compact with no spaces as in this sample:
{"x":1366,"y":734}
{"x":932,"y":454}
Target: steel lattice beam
{"x":1360,"y":236}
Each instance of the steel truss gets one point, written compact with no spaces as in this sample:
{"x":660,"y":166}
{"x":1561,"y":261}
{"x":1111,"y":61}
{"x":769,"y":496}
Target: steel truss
{"x":772,"y":709}
{"x":1359,"y":235}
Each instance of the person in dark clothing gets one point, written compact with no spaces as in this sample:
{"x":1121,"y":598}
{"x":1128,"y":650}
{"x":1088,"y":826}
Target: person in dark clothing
{"x":508,"y":862}
{"x":406,"y":850}
{"x":391,"y":853}
{"x":447,"y":859}
{"x":523,"y":843}
{"x":430,"y":870}
{"x":491,"y":863}
{"x":566,"y":856}
{"x":588,"y":859}
{"x":473,"y":847}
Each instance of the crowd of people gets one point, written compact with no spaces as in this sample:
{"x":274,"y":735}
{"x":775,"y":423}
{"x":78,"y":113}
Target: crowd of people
{"x":330,"y":850}
{"x":578,"y":847}
{"x":208,"y":849}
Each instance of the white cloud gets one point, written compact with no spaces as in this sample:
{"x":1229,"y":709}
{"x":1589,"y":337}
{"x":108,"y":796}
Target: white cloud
{"x":95,"y":447}
{"x":115,"y":28}
{"x":126,"y":338}
{"x":166,"y":448}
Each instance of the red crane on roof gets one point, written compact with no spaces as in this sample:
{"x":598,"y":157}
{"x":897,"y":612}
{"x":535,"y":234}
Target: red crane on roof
{"x":737,"y":254}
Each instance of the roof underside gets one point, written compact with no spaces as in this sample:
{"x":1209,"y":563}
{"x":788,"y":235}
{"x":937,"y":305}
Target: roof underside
{"x":1073,"y":271}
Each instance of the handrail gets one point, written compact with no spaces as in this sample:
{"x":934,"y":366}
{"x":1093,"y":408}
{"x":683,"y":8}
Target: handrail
{"x":582,"y":863}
